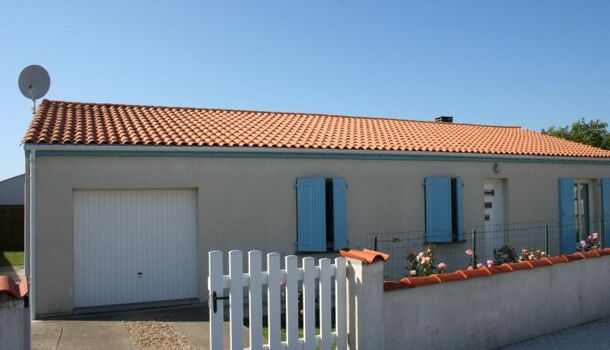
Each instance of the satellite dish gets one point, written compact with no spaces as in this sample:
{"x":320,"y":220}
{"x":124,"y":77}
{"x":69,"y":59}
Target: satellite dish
{"x":34,"y":82}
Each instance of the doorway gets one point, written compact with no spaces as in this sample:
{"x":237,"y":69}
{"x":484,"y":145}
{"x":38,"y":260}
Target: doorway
{"x":493,"y":201}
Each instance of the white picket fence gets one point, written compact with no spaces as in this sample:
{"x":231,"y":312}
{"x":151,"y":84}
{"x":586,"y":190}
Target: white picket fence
{"x":282,"y":287}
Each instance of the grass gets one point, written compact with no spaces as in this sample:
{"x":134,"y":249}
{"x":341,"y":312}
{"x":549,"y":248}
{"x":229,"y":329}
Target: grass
{"x":11,"y":258}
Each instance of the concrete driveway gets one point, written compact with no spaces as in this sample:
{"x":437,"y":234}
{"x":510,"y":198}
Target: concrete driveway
{"x":595,"y":335}
{"x":176,"y":328}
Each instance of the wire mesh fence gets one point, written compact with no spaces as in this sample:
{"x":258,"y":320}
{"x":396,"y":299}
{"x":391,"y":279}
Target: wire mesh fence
{"x":484,"y":241}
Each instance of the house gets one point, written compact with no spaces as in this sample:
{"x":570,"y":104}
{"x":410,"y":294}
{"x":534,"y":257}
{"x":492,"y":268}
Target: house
{"x":124,"y":202}
{"x":11,"y":213}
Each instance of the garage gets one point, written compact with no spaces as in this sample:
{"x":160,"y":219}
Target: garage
{"x":134,"y":246}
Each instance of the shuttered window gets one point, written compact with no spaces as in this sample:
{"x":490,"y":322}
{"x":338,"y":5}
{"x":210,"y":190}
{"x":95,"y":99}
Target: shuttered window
{"x":567,"y":227}
{"x":606,"y":212}
{"x":321,"y":214}
{"x":444,"y":210}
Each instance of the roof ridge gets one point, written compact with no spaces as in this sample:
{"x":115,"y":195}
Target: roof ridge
{"x":282,"y":112}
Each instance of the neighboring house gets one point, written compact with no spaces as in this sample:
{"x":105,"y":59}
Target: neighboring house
{"x":128,"y":200}
{"x":11,"y":213}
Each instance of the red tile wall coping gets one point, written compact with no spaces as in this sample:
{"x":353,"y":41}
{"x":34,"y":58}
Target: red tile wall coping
{"x":10,"y":288}
{"x":461,"y":275}
{"x":367,"y":256}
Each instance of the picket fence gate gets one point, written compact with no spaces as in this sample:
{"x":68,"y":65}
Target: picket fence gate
{"x":282,"y":287}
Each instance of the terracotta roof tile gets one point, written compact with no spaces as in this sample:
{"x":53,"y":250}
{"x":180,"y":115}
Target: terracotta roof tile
{"x":58,"y":122}
{"x":367,"y":256}
{"x":15,"y":290}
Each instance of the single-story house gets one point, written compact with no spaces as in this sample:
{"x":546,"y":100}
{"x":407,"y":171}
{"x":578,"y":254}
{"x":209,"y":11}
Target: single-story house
{"x":125,"y":201}
{"x":11,"y":213}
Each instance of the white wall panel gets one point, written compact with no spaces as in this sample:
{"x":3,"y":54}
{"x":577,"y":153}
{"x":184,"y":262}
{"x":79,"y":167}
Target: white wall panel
{"x":119,"y":234}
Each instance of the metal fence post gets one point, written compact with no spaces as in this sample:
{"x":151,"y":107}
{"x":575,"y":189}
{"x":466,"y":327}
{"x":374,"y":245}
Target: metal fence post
{"x":375,"y":244}
{"x":602,"y":227}
{"x":474,"y":248}
{"x":546,"y":239}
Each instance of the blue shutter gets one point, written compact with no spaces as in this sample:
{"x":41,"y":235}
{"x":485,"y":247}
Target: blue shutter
{"x":311,"y":215}
{"x":606,"y":212}
{"x":567,"y":229}
{"x":438,"y":209}
{"x":339,"y":214}
{"x":459,"y":187}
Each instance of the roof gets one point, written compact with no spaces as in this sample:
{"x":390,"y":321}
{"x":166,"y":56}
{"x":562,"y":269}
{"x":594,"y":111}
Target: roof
{"x":70,"y":123}
{"x":11,"y":190}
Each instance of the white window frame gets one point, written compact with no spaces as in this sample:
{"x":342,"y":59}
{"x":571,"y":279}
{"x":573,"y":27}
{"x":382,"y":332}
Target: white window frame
{"x":591,"y":192}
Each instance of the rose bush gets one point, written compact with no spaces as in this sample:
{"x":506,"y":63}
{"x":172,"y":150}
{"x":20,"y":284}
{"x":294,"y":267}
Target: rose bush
{"x":423,"y":263}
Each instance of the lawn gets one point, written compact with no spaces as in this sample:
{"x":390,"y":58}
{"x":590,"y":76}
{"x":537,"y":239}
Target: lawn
{"x":11,"y":258}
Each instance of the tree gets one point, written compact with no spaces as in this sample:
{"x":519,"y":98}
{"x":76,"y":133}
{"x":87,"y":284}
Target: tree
{"x":594,"y":133}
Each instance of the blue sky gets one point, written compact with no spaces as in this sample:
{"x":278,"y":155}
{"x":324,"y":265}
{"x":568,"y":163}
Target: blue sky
{"x":528,"y":63}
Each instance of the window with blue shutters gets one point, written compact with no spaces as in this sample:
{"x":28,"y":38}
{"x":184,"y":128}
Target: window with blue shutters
{"x":444,"y":209}
{"x":321,"y":214}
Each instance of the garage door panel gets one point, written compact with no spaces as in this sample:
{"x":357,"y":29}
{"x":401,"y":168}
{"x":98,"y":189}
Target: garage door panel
{"x":134,"y":246}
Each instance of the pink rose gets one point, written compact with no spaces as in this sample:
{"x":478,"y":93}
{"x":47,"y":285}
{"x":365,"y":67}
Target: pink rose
{"x":442,"y":266}
{"x":468,"y":252}
{"x":583,"y":243}
{"x":283,"y":283}
{"x":490,"y":263}
{"x":595,"y":235}
{"x":532,"y":257}
{"x":479,"y":265}
{"x":469,"y":268}
{"x":427,"y":260}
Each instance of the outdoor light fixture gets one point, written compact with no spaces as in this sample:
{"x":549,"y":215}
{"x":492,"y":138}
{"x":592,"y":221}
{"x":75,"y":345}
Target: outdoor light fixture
{"x":496,"y":168}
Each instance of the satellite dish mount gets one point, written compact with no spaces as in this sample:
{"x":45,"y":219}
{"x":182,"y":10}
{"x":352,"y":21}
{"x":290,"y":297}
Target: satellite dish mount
{"x":34,"y":83}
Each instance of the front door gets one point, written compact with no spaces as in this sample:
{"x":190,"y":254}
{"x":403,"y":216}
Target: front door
{"x":493,"y":237}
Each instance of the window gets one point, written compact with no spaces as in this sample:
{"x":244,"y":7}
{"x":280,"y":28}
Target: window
{"x":581,"y":209}
{"x":444,"y":212}
{"x":575,"y":209}
{"x":321,"y":214}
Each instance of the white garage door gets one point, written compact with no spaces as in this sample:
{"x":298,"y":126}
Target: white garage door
{"x":133,"y":246}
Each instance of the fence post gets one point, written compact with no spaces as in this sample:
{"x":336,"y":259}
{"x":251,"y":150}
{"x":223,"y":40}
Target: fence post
{"x":546,"y":239}
{"x":216,"y":306}
{"x":273,"y":301}
{"x":340,"y":303}
{"x":236,"y":299}
{"x":474,"y":248}
{"x":602,"y":230}
{"x":255,"y":299}
{"x":375,"y":244}
{"x":365,"y":305}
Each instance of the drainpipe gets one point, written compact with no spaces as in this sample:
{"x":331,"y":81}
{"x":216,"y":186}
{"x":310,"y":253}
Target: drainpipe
{"x":32,"y":224}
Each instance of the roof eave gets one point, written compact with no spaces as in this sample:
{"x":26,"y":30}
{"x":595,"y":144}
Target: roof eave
{"x":271,"y":152}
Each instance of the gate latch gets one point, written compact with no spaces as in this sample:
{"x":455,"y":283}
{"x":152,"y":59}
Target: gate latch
{"x":216,"y":298}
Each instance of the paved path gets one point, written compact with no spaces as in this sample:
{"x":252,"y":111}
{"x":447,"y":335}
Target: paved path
{"x":17,"y":273}
{"x":108,"y":331}
{"x":594,"y":335}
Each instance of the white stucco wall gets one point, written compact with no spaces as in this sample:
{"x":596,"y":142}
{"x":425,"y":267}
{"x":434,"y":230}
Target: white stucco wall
{"x":494,"y":311}
{"x":250,"y":203}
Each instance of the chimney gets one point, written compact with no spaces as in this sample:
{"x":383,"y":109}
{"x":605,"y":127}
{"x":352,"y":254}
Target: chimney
{"x":444,"y":119}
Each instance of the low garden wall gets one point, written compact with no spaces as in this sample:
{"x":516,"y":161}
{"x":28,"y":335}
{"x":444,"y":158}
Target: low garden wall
{"x":491,"y":307}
